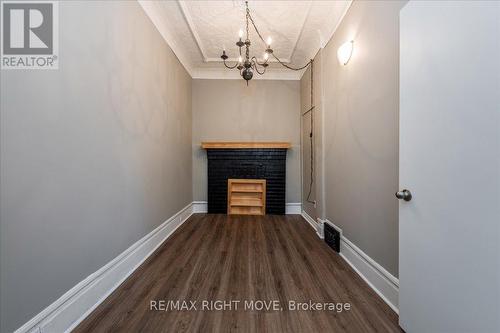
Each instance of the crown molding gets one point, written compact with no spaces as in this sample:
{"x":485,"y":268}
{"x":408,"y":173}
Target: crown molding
{"x":299,"y":36}
{"x":192,"y":29}
{"x":152,"y":11}
{"x":326,"y":41}
{"x":271,"y":60}
{"x":223,"y":74}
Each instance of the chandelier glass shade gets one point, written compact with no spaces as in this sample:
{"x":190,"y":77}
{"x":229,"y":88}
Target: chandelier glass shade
{"x":246,"y":64}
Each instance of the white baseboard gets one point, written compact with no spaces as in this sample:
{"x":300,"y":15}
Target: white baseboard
{"x":310,"y":220}
{"x":320,"y":228}
{"x":316,"y":225}
{"x":293,"y":208}
{"x":290,"y":208}
{"x":71,"y":308}
{"x":377,"y":277}
{"x":200,"y":206}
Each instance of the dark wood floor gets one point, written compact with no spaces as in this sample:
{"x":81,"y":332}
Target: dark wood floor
{"x":217,"y":257}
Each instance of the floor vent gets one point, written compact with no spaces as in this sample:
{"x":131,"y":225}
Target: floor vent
{"x":332,"y":237}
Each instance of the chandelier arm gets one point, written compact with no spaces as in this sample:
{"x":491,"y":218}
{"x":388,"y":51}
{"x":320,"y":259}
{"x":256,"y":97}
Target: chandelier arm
{"x":230,"y":67}
{"x":260,"y":73}
{"x":254,"y":58}
{"x":255,"y":66}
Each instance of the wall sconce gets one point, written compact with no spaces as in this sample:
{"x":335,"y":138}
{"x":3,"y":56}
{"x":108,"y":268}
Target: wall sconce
{"x":344,"y":52}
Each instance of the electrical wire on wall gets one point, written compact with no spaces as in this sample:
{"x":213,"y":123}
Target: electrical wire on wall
{"x":311,"y":139}
{"x":311,"y":109}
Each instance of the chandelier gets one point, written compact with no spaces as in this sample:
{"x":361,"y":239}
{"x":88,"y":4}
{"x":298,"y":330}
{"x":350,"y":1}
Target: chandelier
{"x":248,"y":65}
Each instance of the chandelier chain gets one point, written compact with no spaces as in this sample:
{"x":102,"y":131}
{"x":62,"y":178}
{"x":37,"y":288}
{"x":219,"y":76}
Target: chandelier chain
{"x":248,"y":15}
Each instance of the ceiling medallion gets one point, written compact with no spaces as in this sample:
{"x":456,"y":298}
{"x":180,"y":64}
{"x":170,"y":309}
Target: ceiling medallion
{"x":248,"y":65}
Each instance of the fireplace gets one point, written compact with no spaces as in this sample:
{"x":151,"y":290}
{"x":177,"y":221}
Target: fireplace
{"x":246,"y":160}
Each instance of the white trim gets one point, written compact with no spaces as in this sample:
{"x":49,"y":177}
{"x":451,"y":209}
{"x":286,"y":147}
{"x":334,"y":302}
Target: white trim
{"x":316,"y":225}
{"x":293,"y":208}
{"x":290,"y":207}
{"x":320,"y":228}
{"x":323,"y":43}
{"x":71,"y":308}
{"x":299,"y":36}
{"x":376,"y":276}
{"x":222,"y":74}
{"x":200,"y":206}
{"x":285,"y":60}
{"x":310,"y":220}
{"x":192,"y":29}
{"x":151,"y":10}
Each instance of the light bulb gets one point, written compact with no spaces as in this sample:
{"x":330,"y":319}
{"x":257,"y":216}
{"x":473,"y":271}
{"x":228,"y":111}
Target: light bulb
{"x":240,"y":33}
{"x":269,"y":40}
{"x":240,"y":59}
{"x":344,"y":52}
{"x":266,"y":56}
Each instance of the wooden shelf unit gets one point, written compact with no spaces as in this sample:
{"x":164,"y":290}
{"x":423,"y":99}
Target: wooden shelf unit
{"x":246,"y":197}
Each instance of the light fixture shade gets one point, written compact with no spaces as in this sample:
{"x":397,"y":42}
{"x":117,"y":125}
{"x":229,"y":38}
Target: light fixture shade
{"x":344,"y":52}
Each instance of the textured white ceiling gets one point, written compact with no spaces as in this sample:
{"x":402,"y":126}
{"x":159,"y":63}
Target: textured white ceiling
{"x":197,"y":31}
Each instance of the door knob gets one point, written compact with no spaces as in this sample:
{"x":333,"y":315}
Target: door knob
{"x":404,"y":194}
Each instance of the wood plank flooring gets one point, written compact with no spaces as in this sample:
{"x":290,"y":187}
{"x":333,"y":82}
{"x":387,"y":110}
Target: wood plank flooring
{"x":242,"y":258}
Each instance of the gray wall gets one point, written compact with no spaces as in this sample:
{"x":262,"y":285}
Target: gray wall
{"x":94,"y":155}
{"x":360,"y":104}
{"x":228,"y":110}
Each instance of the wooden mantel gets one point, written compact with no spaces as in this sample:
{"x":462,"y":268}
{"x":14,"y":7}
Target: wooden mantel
{"x":244,"y":145}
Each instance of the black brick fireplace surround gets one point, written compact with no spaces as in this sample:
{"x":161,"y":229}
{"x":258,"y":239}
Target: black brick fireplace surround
{"x":253,"y":163}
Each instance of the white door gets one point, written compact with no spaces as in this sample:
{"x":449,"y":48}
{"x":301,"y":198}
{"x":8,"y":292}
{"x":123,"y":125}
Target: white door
{"x":449,"y":231}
